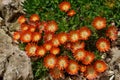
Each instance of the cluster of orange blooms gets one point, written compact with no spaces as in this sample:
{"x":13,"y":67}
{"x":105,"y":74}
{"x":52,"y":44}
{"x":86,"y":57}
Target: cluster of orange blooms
{"x":65,"y":7}
{"x":33,"y":31}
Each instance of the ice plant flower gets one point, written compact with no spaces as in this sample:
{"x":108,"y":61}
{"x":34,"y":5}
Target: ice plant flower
{"x":48,"y":36}
{"x":34,"y":18}
{"x":62,"y":62}
{"x":24,"y":27}
{"x":83,"y":68}
{"x":32,"y":28}
{"x":99,"y":23}
{"x":50,"y":61}
{"x":16,"y":35}
{"x":51,"y":26}
{"x":26,"y":36}
{"x":84,"y":33}
{"x":77,"y":45}
{"x":41,"y":26}
{"x":91,"y":73}
{"x":73,"y":36}
{"x":47,"y":45}
{"x":40,"y":52}
{"x":71,"y":13}
{"x":79,"y":54}
{"x":55,"y":41}
{"x":56,"y":73}
{"x":72,"y":68}
{"x":100,"y":66}
{"x":21,"y":19}
{"x":31,"y":49}
{"x":36,"y":36}
{"x":88,"y":58}
{"x":63,"y":37}
{"x":112,"y":33}
{"x":54,"y":50}
{"x":103,"y":44}
{"x":65,"y":6}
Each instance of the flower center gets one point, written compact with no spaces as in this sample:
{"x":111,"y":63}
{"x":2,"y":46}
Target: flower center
{"x":99,"y":23}
{"x":32,"y":50}
{"x":103,"y":44}
{"x":51,"y":27}
{"x":74,"y":37}
{"x":27,"y":37}
{"x":37,"y":37}
{"x":80,"y":54}
{"x":51,"y":61}
{"x":63,"y":38}
{"x":65,"y":7}
{"x":42,"y":52}
{"x":84,"y":34}
{"x":62,"y":63}
{"x":72,"y":67}
{"x":99,"y":65}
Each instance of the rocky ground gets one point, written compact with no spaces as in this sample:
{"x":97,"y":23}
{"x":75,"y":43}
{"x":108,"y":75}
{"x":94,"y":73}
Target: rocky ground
{"x":14,"y":63}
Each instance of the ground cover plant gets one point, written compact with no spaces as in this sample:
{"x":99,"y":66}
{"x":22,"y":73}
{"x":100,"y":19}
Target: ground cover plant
{"x":68,"y":37}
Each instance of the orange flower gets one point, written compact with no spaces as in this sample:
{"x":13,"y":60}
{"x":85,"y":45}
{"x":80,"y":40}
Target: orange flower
{"x":24,"y":27}
{"x":40,"y":51}
{"x":55,"y":42}
{"x":41,"y":26}
{"x":54,"y":50}
{"x":62,"y":62}
{"x":48,"y":36}
{"x":31,"y":49}
{"x":112,"y":33}
{"x":21,"y":19}
{"x":88,"y":58}
{"x":72,"y":68}
{"x":51,"y":26}
{"x":73,"y":36}
{"x":50,"y":61}
{"x":77,"y":45}
{"x":80,"y":54}
{"x":99,"y":23}
{"x":64,"y":6}
{"x":62,"y":38}
{"x":16,"y":35}
{"x":103,"y":44}
{"x":32,"y":28}
{"x":36,"y":36}
{"x":91,"y":73}
{"x":47,"y":46}
{"x":100,"y":66}
{"x":34,"y":18}
{"x":26,"y":36}
{"x":56,"y":73}
{"x":71,"y":13}
{"x":84,"y":33}
{"x":82,"y":68}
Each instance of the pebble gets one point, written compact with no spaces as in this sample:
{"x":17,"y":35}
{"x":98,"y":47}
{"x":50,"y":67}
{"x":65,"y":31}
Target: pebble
{"x":112,"y":77}
{"x":119,"y":66}
{"x":103,"y":56}
{"x":108,"y":60}
{"x":110,"y":73}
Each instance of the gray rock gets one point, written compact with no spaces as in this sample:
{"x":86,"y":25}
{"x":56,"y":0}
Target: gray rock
{"x":116,"y":54}
{"x":10,"y":10}
{"x":14,"y":63}
{"x":18,"y":67}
